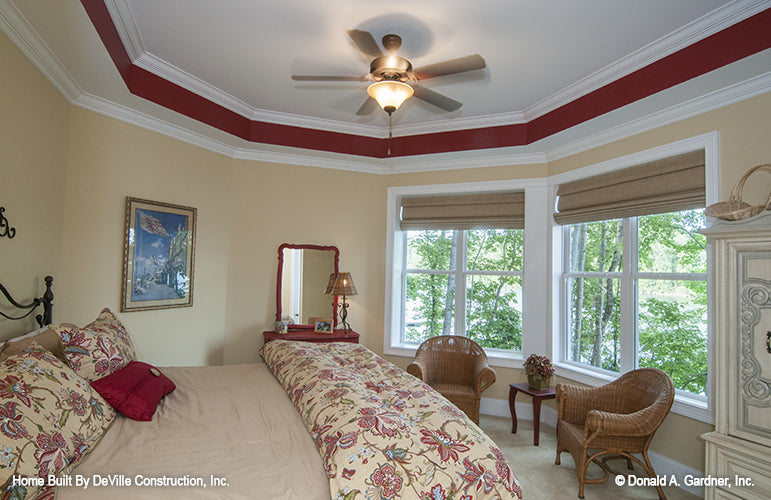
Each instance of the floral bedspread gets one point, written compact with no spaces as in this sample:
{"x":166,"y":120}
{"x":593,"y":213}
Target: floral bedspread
{"x":384,"y":434}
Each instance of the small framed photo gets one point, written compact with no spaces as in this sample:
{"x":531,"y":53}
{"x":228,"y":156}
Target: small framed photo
{"x":314,"y":319}
{"x":323,"y":326}
{"x":159,"y":250}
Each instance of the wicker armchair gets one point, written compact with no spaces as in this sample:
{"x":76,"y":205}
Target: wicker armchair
{"x":457,"y":368}
{"x":614,"y":421}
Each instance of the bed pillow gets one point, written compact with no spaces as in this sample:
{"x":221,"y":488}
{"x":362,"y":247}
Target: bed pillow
{"x":25,"y":336}
{"x":135,"y":390}
{"x":45,"y":337}
{"x":49,"y":418}
{"x":98,"y":349}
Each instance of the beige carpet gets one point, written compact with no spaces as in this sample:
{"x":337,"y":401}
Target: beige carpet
{"x":541,"y":478}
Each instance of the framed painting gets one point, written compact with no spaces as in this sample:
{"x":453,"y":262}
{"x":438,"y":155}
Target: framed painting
{"x":159,"y":254}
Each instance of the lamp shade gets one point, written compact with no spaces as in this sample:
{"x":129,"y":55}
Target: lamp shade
{"x":330,"y":284}
{"x":344,"y":285}
{"x":390,"y":94}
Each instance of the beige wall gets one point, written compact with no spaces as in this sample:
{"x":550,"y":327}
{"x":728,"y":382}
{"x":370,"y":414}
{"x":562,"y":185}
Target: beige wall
{"x":274,"y":204}
{"x":68,"y":171}
{"x":34,"y":122}
{"x":109,"y":160}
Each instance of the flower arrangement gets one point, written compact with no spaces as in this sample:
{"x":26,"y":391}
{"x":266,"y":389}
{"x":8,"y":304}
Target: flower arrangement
{"x":539,"y":366}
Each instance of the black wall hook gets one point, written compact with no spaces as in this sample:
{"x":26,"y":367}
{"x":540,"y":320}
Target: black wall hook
{"x":5,"y":227}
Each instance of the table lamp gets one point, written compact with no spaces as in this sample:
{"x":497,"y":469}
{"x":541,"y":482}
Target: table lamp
{"x":344,"y":286}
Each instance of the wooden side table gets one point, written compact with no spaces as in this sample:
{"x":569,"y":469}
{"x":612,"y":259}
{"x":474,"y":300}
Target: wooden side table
{"x":538,"y":396}
{"x":311,"y":336}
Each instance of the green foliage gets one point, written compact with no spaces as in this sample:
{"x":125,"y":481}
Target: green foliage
{"x":671,"y":242}
{"x":670,"y":339}
{"x":493,"y":301}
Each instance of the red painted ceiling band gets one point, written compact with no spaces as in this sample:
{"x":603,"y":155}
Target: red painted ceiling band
{"x":727,"y":46}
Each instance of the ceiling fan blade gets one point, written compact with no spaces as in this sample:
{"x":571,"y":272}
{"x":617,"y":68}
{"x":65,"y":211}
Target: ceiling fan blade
{"x":437,"y":99}
{"x":365,"y":42}
{"x":367,"y":107}
{"x":324,"y":78}
{"x":459,"y":65}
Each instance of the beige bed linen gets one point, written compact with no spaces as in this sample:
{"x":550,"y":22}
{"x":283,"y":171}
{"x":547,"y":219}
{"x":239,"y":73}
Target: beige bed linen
{"x":234,"y":422}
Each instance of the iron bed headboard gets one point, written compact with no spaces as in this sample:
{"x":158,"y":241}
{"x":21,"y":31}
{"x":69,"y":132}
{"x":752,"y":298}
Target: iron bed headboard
{"x":46,"y":300}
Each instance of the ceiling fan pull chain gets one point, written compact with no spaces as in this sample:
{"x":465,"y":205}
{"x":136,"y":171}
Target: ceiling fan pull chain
{"x":390,"y":135}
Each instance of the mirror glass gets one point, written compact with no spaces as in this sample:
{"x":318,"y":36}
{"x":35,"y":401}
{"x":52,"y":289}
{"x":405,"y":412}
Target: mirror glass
{"x":304,"y":273}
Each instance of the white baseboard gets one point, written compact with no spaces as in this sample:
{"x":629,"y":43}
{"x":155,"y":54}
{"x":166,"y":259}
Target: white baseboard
{"x":668,"y":467}
{"x":661,"y":464}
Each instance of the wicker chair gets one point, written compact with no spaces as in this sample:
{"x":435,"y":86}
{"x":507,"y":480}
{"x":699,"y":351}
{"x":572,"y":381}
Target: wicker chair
{"x":613,"y":421}
{"x":457,"y":368}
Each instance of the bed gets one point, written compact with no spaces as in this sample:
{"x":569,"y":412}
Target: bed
{"x":81,"y":418}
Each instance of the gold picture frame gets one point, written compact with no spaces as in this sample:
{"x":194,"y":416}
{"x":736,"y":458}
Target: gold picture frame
{"x":323,"y":326}
{"x":159,"y":255}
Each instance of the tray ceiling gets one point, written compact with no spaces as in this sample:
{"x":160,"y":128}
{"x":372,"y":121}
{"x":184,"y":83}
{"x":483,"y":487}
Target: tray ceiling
{"x":218,"y":73}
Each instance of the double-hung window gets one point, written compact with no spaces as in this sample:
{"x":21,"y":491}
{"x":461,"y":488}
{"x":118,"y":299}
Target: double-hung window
{"x":634,"y":279}
{"x":462,"y":268}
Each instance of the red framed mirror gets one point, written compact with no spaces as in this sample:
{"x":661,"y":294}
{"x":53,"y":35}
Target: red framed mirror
{"x":302,"y":277}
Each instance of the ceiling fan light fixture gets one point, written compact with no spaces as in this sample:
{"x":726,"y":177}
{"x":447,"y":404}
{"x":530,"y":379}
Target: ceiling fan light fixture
{"x":390,"y":94}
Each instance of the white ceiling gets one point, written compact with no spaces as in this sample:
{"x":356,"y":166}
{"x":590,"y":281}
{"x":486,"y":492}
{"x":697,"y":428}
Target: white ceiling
{"x":241,"y":53}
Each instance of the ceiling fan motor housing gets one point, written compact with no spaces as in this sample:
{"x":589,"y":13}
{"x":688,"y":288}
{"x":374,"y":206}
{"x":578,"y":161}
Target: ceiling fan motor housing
{"x":390,"y":67}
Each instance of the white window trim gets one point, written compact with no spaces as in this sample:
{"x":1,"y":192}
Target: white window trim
{"x":543,"y":299}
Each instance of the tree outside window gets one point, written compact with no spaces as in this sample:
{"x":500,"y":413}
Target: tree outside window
{"x":464,"y":282}
{"x":664,"y":281}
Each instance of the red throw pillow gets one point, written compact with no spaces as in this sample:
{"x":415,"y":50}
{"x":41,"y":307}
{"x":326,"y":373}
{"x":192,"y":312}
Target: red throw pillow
{"x":135,"y":390}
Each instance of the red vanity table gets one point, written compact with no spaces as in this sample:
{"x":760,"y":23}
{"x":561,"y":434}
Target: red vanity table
{"x":311,"y":336}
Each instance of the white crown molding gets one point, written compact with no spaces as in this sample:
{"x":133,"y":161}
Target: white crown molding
{"x":126,"y":114}
{"x":435,"y":162}
{"x":460,"y":161}
{"x":123,"y":19}
{"x":709,"y":24}
{"x":23,"y":35}
{"x":300,"y":157}
{"x":466,"y":123}
{"x":708,"y":142}
{"x":747,"y":89}
{"x":187,"y":81}
{"x":293,"y":156}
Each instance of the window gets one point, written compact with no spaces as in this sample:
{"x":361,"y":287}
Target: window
{"x":635,"y":270}
{"x":457,"y":269}
{"x":464,"y":282}
{"x":636,"y":296}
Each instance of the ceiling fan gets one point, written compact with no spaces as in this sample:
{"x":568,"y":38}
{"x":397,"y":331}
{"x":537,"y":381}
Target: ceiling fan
{"x":394,"y":79}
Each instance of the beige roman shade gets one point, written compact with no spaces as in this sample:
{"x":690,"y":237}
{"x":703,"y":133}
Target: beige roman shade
{"x":669,"y":185}
{"x":467,"y":211}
